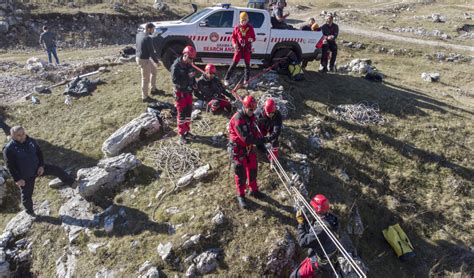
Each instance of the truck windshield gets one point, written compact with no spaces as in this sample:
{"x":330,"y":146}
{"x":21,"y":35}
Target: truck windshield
{"x":192,"y":18}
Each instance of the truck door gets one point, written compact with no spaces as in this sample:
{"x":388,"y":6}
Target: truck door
{"x":262,"y":33}
{"x":214,"y":34}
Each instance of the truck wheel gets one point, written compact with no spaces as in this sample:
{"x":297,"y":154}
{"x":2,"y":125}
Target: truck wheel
{"x":171,"y":53}
{"x":282,"y":53}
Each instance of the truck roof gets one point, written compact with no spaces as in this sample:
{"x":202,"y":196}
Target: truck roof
{"x":230,"y":7}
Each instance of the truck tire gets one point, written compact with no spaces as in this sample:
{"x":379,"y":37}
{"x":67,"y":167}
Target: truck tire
{"x":170,"y":54}
{"x":281,"y":53}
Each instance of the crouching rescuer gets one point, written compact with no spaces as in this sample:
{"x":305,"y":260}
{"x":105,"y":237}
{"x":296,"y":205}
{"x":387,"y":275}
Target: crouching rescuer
{"x":270,"y":123}
{"x":184,"y":84}
{"x":316,"y":262}
{"x":242,"y":38}
{"x":243,"y":136}
{"x":211,"y":91}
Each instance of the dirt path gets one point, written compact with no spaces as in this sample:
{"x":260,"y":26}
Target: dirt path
{"x":369,"y":33}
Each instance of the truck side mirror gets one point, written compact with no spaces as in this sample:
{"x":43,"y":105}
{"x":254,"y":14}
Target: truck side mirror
{"x":203,"y":23}
{"x":195,"y":8}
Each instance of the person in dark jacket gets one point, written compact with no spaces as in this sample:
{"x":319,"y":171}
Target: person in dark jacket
{"x":331,"y":31}
{"x":48,"y":42}
{"x":270,"y":123}
{"x":211,"y":91}
{"x":316,"y":260}
{"x":147,"y":59}
{"x":243,"y":137}
{"x":183,"y":78}
{"x":25,"y":162}
{"x":308,"y":26}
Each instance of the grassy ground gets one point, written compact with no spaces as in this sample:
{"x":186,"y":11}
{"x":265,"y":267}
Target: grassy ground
{"x":405,"y":171}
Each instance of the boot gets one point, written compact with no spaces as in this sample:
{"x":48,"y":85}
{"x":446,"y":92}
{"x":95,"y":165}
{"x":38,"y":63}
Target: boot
{"x":182,"y":140}
{"x":242,"y":203}
{"x":257,"y":194}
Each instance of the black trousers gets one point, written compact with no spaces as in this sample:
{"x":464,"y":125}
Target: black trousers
{"x":4,"y":127}
{"x":231,"y":69}
{"x":330,"y":46}
{"x":49,"y":170}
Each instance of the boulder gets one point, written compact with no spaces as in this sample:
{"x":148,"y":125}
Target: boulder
{"x":195,"y":175}
{"x":55,"y":183}
{"x":35,"y":64}
{"x":76,"y":215}
{"x":4,"y":269}
{"x":108,"y":173}
{"x":280,"y":255}
{"x":431,"y":76}
{"x":207,"y":261}
{"x":66,"y":264}
{"x":165,"y":251}
{"x":219,"y":218}
{"x":19,"y":225}
{"x":152,"y":272}
{"x":194,"y":240}
{"x":145,"y":124}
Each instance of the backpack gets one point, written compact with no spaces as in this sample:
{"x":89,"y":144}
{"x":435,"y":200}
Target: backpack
{"x":296,"y":73}
{"x":399,"y":241}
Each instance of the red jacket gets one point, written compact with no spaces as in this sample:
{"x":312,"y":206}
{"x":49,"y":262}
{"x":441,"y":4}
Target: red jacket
{"x":241,"y":36}
{"x":243,"y":131}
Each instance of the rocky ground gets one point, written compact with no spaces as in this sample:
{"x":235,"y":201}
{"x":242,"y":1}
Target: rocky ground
{"x":391,"y":132}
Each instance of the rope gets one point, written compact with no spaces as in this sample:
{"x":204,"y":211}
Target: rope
{"x":176,"y":161}
{"x":362,"y":113}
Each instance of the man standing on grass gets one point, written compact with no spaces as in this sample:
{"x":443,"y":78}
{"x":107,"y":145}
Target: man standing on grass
{"x":147,"y":59}
{"x":24,"y":160}
{"x":48,"y":42}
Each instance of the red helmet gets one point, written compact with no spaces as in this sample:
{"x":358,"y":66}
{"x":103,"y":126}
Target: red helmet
{"x":210,"y":68}
{"x":320,"y":204}
{"x":269,"y":106}
{"x":249,"y":102}
{"x":190,"y":51}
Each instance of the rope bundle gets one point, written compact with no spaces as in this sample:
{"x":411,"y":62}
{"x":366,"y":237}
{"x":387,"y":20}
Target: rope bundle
{"x":362,"y":113}
{"x":176,"y":160}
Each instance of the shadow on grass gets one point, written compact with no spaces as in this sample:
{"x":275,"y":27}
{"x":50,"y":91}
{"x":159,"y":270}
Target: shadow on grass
{"x":336,"y":89}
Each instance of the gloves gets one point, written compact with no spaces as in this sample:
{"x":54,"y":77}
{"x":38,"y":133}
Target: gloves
{"x":266,"y":139}
{"x":299,"y":217}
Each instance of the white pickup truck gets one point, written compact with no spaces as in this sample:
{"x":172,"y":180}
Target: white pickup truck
{"x":210,"y":29}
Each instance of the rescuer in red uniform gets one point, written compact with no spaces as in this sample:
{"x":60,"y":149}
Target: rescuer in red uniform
{"x":243,"y":136}
{"x":242,"y":38}
{"x":182,"y":75}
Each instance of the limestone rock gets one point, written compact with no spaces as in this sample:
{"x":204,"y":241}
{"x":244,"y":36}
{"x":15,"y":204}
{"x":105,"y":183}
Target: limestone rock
{"x":4,"y":269}
{"x":55,"y":183}
{"x":105,"y":273}
{"x":76,"y":215}
{"x":21,"y":223}
{"x":197,"y":174}
{"x":219,"y":218}
{"x":280,"y":255}
{"x":431,"y":76}
{"x":165,"y":251}
{"x":192,"y":241}
{"x":3,"y":27}
{"x":66,"y":264}
{"x":148,"y":271}
{"x":145,"y":124}
{"x":108,"y":173}
{"x":109,"y":223}
{"x":94,"y":246}
{"x":207,"y":262}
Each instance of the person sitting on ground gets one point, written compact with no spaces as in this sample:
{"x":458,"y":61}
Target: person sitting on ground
{"x":211,"y":91}
{"x":331,"y":31}
{"x":307,"y":27}
{"x":316,"y":260}
{"x":48,"y":42}
{"x":270,"y":122}
{"x":278,"y":18}
{"x":147,"y":59}
{"x":25,"y":162}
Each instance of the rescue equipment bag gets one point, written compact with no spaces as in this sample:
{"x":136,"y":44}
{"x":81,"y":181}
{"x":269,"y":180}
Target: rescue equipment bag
{"x":399,"y":241}
{"x":296,"y":73}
